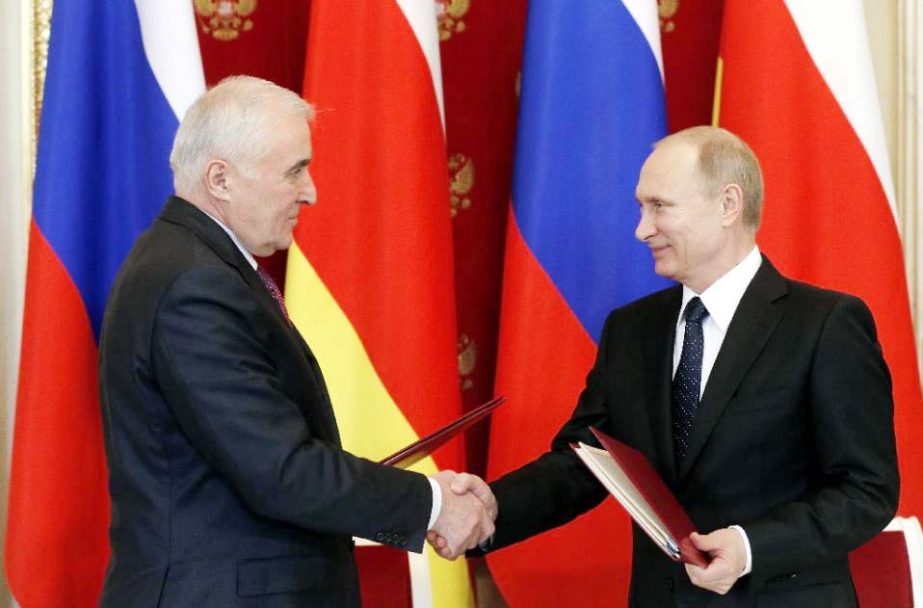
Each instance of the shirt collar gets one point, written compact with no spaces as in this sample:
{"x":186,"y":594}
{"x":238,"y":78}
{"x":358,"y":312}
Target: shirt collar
{"x":722,"y":297}
{"x":247,"y":255}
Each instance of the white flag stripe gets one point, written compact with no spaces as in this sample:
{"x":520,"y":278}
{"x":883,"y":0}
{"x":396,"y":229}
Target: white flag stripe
{"x":171,"y":46}
{"x":645,"y":15}
{"x":835,"y":35}
{"x":421,"y":15}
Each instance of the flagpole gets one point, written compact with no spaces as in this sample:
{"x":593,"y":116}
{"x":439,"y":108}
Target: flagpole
{"x":18,"y":143}
{"x":910,"y":158}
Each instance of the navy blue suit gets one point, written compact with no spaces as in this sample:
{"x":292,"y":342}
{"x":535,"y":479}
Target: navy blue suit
{"x":228,"y":484}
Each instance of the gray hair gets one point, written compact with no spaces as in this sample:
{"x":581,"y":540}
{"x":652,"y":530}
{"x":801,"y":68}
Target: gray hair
{"x":724,"y":158}
{"x":228,"y":122}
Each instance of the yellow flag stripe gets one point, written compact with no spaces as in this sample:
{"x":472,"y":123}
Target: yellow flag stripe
{"x":371,"y":424}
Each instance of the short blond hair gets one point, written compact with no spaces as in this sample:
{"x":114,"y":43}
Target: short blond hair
{"x":724,"y":158}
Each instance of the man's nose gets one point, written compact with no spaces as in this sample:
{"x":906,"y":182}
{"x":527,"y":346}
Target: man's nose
{"x":310,"y":190}
{"x":645,"y":228}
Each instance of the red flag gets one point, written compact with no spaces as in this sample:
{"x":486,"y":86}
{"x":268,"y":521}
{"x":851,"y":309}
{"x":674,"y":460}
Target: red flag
{"x":798,"y":86}
{"x":370,"y":278}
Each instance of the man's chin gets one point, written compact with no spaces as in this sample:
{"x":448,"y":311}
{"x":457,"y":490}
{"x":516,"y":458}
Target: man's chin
{"x":285,"y":243}
{"x":664,"y":269}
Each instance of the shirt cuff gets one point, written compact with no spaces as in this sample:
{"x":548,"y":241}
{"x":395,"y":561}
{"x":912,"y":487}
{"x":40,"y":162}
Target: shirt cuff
{"x":437,"y":503}
{"x":743,"y":535}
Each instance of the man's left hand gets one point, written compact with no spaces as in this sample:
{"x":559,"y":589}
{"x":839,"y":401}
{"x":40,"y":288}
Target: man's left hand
{"x":728,"y":560}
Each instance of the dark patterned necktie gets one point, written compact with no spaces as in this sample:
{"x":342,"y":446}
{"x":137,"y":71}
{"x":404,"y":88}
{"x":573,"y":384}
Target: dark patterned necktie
{"x":273,"y":290}
{"x":688,"y":378}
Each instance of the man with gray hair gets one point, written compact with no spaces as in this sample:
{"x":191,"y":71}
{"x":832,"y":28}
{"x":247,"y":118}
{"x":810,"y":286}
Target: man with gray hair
{"x":764,"y":403}
{"x":228,"y":483}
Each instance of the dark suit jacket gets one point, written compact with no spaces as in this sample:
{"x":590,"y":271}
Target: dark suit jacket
{"x":228,"y":484}
{"x":793,"y":441}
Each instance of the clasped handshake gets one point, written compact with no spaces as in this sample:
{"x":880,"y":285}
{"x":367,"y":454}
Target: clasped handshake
{"x":467,"y":515}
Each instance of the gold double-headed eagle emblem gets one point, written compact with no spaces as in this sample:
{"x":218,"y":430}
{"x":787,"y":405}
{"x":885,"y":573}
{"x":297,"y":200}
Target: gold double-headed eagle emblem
{"x":225,"y":19}
{"x":666,"y":9}
{"x":461,"y":181}
{"x":449,"y":14}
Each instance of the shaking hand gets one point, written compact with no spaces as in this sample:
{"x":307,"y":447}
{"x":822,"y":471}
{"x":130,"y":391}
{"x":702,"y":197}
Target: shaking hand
{"x":467,"y":515}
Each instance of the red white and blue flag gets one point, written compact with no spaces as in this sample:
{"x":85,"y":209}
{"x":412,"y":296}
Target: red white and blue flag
{"x":592,"y":106}
{"x":119,"y":75}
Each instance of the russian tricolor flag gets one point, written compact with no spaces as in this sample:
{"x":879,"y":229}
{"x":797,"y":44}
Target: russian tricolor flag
{"x":120,"y":74}
{"x":592,"y":106}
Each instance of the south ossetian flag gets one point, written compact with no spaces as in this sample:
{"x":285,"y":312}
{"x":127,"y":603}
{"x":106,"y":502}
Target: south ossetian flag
{"x":119,"y":74}
{"x":592,"y":106}
{"x":796,"y":82}
{"x":370,"y":280}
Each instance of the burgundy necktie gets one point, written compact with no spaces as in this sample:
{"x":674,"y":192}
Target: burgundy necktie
{"x":273,"y":291}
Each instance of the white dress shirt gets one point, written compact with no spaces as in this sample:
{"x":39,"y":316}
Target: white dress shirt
{"x":721,"y":299}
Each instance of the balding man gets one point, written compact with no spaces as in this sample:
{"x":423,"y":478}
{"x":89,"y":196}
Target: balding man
{"x":764,"y":403}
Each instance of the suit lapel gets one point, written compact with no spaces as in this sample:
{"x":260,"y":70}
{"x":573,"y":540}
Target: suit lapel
{"x":658,"y":360}
{"x":755,"y":320}
{"x":179,"y":211}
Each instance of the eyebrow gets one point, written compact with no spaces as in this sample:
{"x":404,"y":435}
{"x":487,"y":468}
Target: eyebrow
{"x":301,"y":164}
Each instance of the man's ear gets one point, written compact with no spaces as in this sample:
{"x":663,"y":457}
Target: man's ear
{"x":216,"y":179}
{"x":732,"y":204}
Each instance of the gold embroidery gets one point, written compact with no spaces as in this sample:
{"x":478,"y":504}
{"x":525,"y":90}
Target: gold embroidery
{"x":467,"y":359}
{"x":225,"y":19}
{"x":461,"y":181}
{"x":667,"y":10}
{"x":449,"y":14}
{"x":41,"y":35}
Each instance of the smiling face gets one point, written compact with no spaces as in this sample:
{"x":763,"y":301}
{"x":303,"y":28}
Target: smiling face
{"x":683,"y":224}
{"x":265,"y":196}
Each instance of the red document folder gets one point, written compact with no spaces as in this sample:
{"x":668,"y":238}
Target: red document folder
{"x":419,"y":450}
{"x":631,"y":479}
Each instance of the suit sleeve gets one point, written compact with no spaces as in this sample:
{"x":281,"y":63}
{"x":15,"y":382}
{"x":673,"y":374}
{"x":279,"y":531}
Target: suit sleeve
{"x":223,"y":385}
{"x":556,"y":487}
{"x":851,"y":416}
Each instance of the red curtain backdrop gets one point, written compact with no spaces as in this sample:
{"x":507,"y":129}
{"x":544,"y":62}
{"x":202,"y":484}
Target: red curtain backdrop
{"x":481,"y":55}
{"x":690,"y":31}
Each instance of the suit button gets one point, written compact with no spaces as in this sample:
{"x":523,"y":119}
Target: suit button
{"x":380,"y":537}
